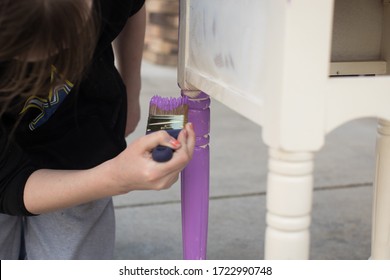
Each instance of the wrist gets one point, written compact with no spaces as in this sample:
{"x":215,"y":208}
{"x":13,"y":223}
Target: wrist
{"x":111,"y":179}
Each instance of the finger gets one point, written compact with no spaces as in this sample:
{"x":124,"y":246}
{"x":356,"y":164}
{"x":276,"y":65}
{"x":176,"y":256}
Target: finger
{"x":190,"y":139}
{"x":173,"y":177}
{"x":183,"y":155}
{"x":187,"y":139}
{"x":167,"y":180}
{"x":162,"y":138}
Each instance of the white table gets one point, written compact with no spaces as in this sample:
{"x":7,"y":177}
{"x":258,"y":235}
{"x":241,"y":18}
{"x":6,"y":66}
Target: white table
{"x":299,"y":69}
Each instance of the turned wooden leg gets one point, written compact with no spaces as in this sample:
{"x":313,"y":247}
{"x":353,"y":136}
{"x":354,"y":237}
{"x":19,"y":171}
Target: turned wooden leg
{"x":289,"y":203}
{"x":380,"y":247}
{"x":195,"y":181}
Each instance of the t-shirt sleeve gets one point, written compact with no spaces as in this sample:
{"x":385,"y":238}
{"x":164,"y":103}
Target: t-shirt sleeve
{"x":15,"y":169}
{"x":137,"y":6}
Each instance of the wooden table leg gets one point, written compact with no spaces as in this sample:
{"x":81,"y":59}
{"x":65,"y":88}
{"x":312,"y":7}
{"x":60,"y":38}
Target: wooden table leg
{"x":195,"y":182}
{"x":289,"y":203}
{"x":380,"y":247}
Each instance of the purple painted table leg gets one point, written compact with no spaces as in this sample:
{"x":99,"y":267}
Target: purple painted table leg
{"x":195,"y":183}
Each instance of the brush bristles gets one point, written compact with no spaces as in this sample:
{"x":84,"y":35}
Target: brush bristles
{"x":168,"y":105}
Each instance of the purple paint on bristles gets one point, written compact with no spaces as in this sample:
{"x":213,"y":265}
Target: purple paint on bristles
{"x":168,"y":103}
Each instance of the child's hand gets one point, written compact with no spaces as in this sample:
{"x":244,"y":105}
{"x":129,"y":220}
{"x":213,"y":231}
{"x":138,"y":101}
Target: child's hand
{"x":134,"y":168}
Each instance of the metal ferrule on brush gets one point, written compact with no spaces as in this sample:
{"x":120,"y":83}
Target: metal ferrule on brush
{"x":165,"y":122}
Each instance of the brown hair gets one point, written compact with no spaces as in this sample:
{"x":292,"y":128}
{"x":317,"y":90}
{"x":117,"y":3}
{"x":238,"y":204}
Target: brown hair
{"x":62,"y":33}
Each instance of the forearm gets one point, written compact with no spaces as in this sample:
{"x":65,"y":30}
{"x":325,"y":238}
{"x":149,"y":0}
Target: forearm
{"x":133,"y":169}
{"x":50,"y":190}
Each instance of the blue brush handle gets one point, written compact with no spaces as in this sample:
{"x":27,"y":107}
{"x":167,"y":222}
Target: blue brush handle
{"x":163,"y":153}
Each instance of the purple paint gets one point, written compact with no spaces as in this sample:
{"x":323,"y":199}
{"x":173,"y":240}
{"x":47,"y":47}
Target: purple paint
{"x":195,"y":183}
{"x":168,"y":103}
{"x":195,"y":205}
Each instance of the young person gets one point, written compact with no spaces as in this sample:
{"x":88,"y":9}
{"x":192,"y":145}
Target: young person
{"x":65,"y":112}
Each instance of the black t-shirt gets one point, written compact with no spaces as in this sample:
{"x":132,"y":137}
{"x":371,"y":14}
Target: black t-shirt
{"x":75,"y":128}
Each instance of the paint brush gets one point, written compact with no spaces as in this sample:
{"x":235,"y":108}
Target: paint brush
{"x":169,"y":114}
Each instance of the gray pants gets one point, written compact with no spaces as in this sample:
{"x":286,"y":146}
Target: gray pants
{"x":83,"y":232}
